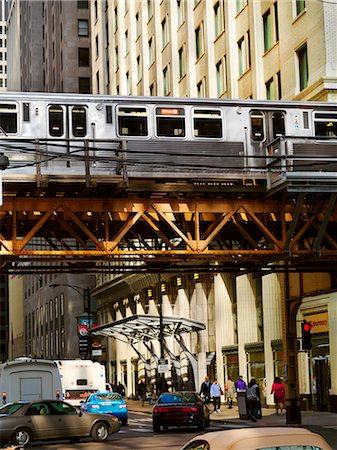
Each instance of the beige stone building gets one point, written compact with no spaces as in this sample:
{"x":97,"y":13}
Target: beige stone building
{"x":215,"y":48}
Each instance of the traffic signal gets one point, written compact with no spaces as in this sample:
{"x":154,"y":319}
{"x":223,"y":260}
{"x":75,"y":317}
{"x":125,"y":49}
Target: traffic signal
{"x":306,"y":335}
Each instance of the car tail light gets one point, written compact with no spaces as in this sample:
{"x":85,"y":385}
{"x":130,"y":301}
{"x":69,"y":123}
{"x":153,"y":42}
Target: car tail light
{"x":188,"y":409}
{"x":160,"y":409}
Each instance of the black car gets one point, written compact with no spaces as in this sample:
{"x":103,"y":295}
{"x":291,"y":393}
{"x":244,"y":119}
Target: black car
{"x":180,"y":409}
{"x":23,"y":422}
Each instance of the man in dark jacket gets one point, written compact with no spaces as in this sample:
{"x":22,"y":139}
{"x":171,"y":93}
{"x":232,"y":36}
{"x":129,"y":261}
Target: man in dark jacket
{"x":205,"y":390}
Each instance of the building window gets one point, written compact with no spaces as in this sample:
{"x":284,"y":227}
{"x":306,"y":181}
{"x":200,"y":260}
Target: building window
{"x":116,"y":58}
{"x":128,"y":83}
{"x":83,"y":57}
{"x":276,"y":21}
{"x":126,"y":41}
{"x":303,"y":68}
{"x":97,"y":82}
{"x":240,"y":4}
{"x":137,"y":25}
{"x":166,"y":81}
{"x":164,"y":33}
{"x":96,"y":45}
{"x":198,"y":42}
{"x":150,"y":46}
{"x":151,"y":89}
{"x":218,"y":22}
{"x":96,"y":10}
{"x":116,"y":20}
{"x":182,"y":70}
{"x":242,"y":47}
{"x":180,"y":12}
{"x":279,"y":87}
{"x":220,"y":78}
{"x":149,"y":9}
{"x":270,"y":90}
{"x":82,"y":4}
{"x":139,"y":75}
{"x":201,"y":90}
{"x":84,"y":85}
{"x":300,"y":6}
{"x":267,"y":31}
{"x":83,"y":28}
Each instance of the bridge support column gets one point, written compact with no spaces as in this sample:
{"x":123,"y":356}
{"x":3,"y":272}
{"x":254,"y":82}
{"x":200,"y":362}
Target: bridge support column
{"x":290,"y":348}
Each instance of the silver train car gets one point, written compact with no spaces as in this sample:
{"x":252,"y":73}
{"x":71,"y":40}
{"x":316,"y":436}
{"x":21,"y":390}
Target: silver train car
{"x":70,"y":135}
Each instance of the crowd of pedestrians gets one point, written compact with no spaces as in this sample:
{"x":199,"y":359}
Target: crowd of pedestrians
{"x":212,"y":392}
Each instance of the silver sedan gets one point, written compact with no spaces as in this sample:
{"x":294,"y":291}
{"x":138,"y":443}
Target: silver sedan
{"x":23,"y":422}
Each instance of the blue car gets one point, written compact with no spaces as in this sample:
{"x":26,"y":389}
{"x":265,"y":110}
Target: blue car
{"x":107,"y":403}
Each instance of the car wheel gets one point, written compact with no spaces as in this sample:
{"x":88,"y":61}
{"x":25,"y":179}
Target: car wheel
{"x":124,"y":421}
{"x":100,"y":432}
{"x":156,"y":427}
{"x":22,"y":436}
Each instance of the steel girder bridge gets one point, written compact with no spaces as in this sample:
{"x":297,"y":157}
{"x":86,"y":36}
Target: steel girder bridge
{"x":103,"y":234}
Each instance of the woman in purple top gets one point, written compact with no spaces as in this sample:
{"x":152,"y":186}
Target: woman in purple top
{"x":240,"y":385}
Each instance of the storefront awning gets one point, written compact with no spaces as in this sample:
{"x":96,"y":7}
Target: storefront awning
{"x":140,"y":328}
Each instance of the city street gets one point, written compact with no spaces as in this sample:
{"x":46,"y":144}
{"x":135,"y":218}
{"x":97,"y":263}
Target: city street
{"x":138,"y":435}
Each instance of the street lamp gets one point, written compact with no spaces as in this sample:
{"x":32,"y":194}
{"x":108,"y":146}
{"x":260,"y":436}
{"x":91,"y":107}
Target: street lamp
{"x":85,"y":294}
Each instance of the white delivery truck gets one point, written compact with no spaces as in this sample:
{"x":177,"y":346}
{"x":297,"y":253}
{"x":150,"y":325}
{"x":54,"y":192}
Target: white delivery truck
{"x":79,"y":378}
{"x":29,"y":379}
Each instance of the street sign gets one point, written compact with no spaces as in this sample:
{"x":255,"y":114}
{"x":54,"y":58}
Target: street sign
{"x":162,"y":368}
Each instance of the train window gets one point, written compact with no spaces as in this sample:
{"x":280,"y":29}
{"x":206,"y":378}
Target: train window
{"x":257,"y":128}
{"x":305,"y":120}
{"x":56,"y":127}
{"x":326,"y":124}
{"x":278,"y":124}
{"x":108,"y":114}
{"x":132,"y":121}
{"x":79,"y":121}
{"x":207,"y":123}
{"x":26,"y":112}
{"x":8,"y":118}
{"x":170,"y":122}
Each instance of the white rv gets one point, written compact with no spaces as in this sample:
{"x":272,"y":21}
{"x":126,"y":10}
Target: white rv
{"x":79,"y":378}
{"x":29,"y":379}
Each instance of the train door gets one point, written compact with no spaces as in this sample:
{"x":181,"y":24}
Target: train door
{"x":265,"y":126}
{"x":67,"y":123}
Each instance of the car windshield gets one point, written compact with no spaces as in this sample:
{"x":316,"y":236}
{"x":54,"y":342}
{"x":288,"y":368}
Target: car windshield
{"x":185,"y":397}
{"x":106,"y":396}
{"x":11,"y":408}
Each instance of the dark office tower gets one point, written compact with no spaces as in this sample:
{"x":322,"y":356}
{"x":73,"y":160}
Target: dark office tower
{"x":49,"y":46}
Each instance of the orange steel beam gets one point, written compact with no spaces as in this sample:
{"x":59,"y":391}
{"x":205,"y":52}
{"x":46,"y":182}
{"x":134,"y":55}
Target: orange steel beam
{"x":167,"y":230}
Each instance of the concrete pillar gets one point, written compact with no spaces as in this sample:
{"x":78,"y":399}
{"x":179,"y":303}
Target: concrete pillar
{"x":247,"y":320}
{"x":272,"y":326}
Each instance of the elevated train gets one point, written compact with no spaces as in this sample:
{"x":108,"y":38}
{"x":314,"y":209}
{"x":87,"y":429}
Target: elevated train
{"x":63,"y":135}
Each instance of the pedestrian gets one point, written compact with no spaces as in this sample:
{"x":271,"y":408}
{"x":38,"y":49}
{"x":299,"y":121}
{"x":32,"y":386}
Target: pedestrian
{"x":279,"y":392}
{"x":253,"y":399}
{"x":205,"y":390}
{"x":150,"y":389}
{"x":230,"y":391}
{"x":142,"y":392}
{"x":121,"y":389}
{"x":216,"y":393}
{"x":240,"y":384}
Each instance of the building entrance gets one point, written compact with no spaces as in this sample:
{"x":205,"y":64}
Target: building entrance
{"x":321,"y":382}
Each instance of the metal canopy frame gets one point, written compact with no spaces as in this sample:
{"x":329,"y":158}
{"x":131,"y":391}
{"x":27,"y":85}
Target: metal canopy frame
{"x":145,"y":328}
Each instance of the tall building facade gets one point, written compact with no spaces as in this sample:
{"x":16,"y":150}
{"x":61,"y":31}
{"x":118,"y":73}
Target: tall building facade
{"x":49,"y":46}
{"x":227,"y":49}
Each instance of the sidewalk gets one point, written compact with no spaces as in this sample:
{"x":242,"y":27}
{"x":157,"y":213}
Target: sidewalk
{"x":269,"y":417}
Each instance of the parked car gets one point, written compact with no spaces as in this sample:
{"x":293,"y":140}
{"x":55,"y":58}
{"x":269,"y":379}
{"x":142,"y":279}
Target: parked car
{"x":23,"y":422}
{"x":180,"y":409}
{"x":107,"y":403}
{"x":280,"y":438}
